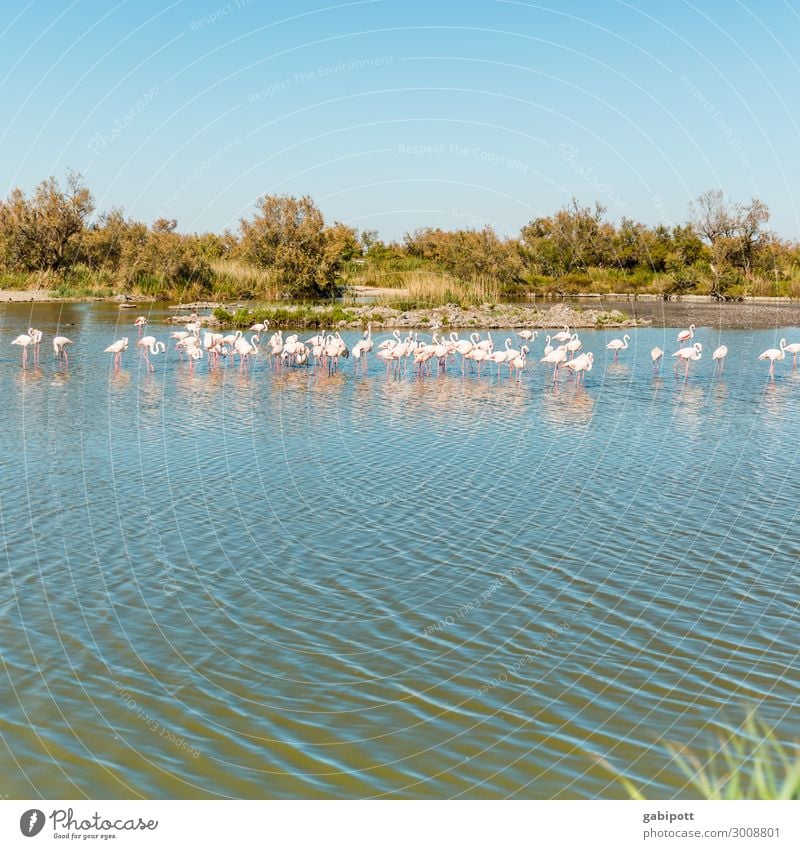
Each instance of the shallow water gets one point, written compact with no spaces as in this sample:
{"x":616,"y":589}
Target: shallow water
{"x":289,"y":584}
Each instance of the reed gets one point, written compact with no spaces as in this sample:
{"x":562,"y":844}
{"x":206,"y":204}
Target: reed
{"x":432,"y":289}
{"x":747,"y":763}
{"x":236,"y":279}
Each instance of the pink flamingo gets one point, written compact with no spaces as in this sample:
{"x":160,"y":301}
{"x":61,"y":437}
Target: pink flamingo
{"x":655,"y":355}
{"x":574,"y":345}
{"x":246,"y":349}
{"x":687,"y":355}
{"x":60,"y":347}
{"x":719,"y":357}
{"x":36,"y":335}
{"x":556,"y":358}
{"x":580,"y":365}
{"x":140,"y":323}
{"x":518,"y":362}
{"x":362,"y":348}
{"x":794,"y":349}
{"x":116,"y":348}
{"x":617,"y":345}
{"x":148,"y":343}
{"x":23,"y":340}
{"x":477,"y":355}
{"x":686,"y":335}
{"x":564,"y":335}
{"x":773,"y":354}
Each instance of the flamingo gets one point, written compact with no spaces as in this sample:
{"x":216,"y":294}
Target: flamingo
{"x":334,"y":348}
{"x":387,"y":355}
{"x":291,"y":343}
{"x":319,"y":339}
{"x":548,"y":348}
{"x":23,"y":340}
{"x":555,"y":358}
{"x":275,"y":346}
{"x":528,"y":335}
{"x":149,"y":343}
{"x":301,"y":355}
{"x":140,"y":322}
{"x":518,"y":362}
{"x":617,"y":345}
{"x":686,"y":335}
{"x":246,"y":349}
{"x":773,"y":354}
{"x":487,"y":344}
{"x":580,"y":365}
{"x":422,"y":357}
{"x":574,"y":345}
{"x":505,"y":357}
{"x":719,"y":357}
{"x":442,"y":350}
{"x":193,"y":325}
{"x":694,"y":352}
{"x":213,"y":343}
{"x":390,"y":343}
{"x":477,"y":355}
{"x":564,"y":335}
{"x":462,"y":346}
{"x":179,"y":336}
{"x":363,"y":347}
{"x":191,"y":345}
{"x":655,"y":355}
{"x":401,"y":350}
{"x":498,"y":357}
{"x":60,"y":347}
{"x":794,"y":349}
{"x":36,"y":335}
{"x":116,"y":348}
{"x":260,"y":326}
{"x":318,"y":349}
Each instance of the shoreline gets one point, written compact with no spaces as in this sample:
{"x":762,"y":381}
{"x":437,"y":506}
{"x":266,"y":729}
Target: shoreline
{"x":587,"y":311}
{"x":13,"y":296}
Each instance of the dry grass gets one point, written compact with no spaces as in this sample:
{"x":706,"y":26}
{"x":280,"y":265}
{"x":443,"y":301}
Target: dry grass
{"x":431,"y":289}
{"x":233,"y":279}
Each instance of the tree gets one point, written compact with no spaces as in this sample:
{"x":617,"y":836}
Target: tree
{"x":288,"y":236}
{"x":468,"y":254}
{"x":165,"y":225}
{"x":733,"y":231}
{"x":712,"y":216}
{"x":575,"y":238}
{"x":44,"y":232}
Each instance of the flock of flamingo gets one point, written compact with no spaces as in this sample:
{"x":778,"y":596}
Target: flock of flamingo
{"x":326,"y":349}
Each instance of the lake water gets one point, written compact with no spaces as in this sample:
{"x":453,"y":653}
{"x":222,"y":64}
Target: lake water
{"x":289,"y":584}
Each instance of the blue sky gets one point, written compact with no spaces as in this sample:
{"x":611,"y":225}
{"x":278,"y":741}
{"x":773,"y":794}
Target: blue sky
{"x":394,"y":114}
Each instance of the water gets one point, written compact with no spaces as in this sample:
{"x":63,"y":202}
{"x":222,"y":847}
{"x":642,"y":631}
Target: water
{"x":268,"y":585}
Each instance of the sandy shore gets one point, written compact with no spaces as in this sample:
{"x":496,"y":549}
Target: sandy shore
{"x":23,"y":296}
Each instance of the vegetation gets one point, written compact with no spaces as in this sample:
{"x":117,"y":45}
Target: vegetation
{"x":296,"y":316}
{"x":53,"y":239}
{"x":749,"y":763}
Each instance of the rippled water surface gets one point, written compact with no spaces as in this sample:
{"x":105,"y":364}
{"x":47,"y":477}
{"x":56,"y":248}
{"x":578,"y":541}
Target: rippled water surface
{"x":278,"y":585}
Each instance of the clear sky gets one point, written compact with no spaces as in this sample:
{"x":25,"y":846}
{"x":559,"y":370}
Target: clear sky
{"x":394,"y":114}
